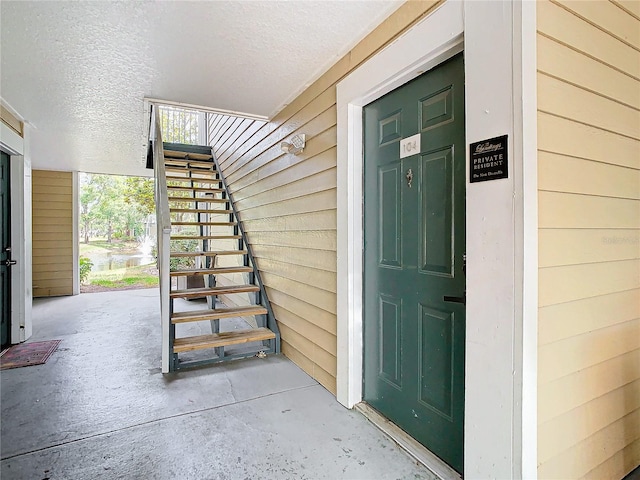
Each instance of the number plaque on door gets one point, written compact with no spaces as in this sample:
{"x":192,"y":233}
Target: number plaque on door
{"x":410,"y":146}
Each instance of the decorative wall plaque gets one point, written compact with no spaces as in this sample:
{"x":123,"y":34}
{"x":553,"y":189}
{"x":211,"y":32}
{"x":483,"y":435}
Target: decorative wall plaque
{"x":488,"y":160}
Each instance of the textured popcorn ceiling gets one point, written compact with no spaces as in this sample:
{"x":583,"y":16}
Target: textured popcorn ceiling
{"x":78,"y":71}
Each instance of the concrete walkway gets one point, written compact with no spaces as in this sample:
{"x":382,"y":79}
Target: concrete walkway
{"x":100,"y":408}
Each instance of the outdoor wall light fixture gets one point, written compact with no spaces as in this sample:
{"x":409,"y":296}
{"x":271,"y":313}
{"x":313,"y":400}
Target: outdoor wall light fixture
{"x":296,"y":146}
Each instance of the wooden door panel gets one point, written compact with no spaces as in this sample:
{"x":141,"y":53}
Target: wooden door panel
{"x":390,"y":208}
{"x":436,"y":213}
{"x":414,"y":242}
{"x":435,"y":360}
{"x":391,"y":340}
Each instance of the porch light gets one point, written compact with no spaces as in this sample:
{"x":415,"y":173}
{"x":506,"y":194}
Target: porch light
{"x":296,"y":146}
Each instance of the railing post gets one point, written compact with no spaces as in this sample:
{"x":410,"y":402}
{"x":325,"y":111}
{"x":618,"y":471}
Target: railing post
{"x":164,"y":239}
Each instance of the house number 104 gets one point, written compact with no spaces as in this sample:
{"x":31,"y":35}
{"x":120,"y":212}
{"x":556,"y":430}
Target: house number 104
{"x":410,"y":146}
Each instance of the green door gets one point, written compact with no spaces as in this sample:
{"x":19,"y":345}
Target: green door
{"x":5,"y":251}
{"x":414,"y":229}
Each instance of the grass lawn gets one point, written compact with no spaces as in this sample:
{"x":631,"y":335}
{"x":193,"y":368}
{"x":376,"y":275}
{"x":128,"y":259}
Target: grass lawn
{"x":143,"y":276}
{"x":125,"y":278}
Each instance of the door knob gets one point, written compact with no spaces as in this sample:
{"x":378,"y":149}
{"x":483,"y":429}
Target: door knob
{"x":8,"y":263}
{"x":409,"y":177}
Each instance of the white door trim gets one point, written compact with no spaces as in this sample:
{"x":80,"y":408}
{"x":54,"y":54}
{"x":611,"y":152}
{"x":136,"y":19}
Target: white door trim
{"x":20,"y":178}
{"x":501,"y":345}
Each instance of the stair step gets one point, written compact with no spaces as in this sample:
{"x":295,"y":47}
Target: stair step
{"x":207,"y":254}
{"x":202,"y":292}
{"x":209,"y":224}
{"x":194,"y":189}
{"x":198,"y":199}
{"x":209,"y":170}
{"x":199,"y":315}
{"x":199,"y":210}
{"x":221,"y":339}
{"x":186,"y":155}
{"x":180,"y":162}
{"x":206,"y":237}
{"x":192,"y":179}
{"x":210,"y":271}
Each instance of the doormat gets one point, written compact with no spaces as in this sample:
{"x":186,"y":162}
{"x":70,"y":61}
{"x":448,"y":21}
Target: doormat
{"x":27,"y":354}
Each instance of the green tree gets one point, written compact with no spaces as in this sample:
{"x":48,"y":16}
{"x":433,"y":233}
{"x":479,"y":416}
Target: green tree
{"x":114,"y":205}
{"x":138,"y":191}
{"x":90,"y":197}
{"x":179,"y":125}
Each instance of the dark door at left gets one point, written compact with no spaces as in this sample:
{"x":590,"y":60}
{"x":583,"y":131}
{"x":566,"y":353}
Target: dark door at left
{"x":5,"y":251}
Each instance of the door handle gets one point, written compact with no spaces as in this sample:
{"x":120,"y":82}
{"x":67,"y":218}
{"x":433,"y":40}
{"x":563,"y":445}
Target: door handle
{"x":409,"y":177}
{"x":462,"y":299}
{"x":8,"y":263}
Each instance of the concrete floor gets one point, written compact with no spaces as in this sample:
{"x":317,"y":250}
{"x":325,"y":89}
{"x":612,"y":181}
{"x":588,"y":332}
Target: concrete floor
{"x":100,"y":408}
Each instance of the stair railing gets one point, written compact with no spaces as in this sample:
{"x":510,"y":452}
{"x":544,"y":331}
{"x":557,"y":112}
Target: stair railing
{"x":163,"y":222}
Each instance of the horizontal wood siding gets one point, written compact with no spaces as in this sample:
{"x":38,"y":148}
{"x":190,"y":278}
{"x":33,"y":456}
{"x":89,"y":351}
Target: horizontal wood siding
{"x":589,"y":239}
{"x":11,"y":121}
{"x":288,"y":203}
{"x":52,"y":233}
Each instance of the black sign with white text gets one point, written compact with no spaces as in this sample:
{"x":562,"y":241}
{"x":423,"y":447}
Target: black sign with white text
{"x":488,"y":159}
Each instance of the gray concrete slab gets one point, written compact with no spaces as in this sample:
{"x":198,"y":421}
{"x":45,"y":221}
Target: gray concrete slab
{"x":100,"y":408}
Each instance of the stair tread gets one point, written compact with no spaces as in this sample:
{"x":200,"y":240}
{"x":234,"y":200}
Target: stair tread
{"x":204,"y":291}
{"x":181,"y":154}
{"x":199,"y":315}
{"x":199,"y":210}
{"x":171,"y":178}
{"x":221,"y":339}
{"x":206,"y":237}
{"x":172,"y":168}
{"x":198,"y":199}
{"x":194,"y":189}
{"x":178,"y":162}
{"x":199,"y":253}
{"x":210,"y":271}
{"x":212,"y":224}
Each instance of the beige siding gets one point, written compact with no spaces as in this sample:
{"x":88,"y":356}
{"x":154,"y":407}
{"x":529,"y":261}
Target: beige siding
{"x":288,"y":203}
{"x":589,"y":237}
{"x":52,"y":233}
{"x":10,"y":121}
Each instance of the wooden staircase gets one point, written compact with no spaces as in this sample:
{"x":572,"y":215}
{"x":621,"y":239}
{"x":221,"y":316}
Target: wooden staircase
{"x":207,"y":246}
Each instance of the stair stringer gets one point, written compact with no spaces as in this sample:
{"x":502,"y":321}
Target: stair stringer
{"x":271,"y":321}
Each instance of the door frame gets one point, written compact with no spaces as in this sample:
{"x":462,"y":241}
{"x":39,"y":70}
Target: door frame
{"x":502,"y":276}
{"x":8,"y":222}
{"x":21,"y":295}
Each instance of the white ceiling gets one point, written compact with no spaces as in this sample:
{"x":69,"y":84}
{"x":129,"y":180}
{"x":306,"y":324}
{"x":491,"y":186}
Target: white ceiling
{"x":77,"y":72}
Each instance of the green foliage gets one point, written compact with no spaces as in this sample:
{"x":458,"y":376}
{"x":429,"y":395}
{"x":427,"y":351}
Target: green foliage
{"x":179,"y":125}
{"x":179,"y":263}
{"x":85,"y":268}
{"x":142,"y":281}
{"x":139,"y":276}
{"x":114,"y":206}
{"x":138,"y":191}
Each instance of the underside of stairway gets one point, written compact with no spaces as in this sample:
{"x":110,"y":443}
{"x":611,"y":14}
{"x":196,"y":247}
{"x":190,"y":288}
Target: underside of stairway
{"x":210,"y":260}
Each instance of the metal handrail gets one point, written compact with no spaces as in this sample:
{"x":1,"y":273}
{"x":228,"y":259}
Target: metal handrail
{"x":163,"y":222}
